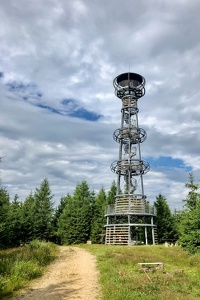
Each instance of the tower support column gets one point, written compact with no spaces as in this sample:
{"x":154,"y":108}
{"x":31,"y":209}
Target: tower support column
{"x":146,"y":235}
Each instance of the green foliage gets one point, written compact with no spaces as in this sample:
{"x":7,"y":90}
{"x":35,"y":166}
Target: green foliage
{"x":189,"y":227}
{"x":14,"y":223}
{"x":65,"y":232}
{"x":121,"y":278}
{"x":23,"y":222}
{"x":80,"y":217}
{"x":10,"y":220}
{"x":4,"y":211}
{"x":63,"y":202}
{"x":112,"y":193}
{"x":74,"y":224}
{"x":61,"y":206}
{"x":19,"y":265}
{"x":43,"y":212}
{"x":98,"y":218}
{"x":28,"y":218}
{"x":164,"y":220}
{"x":193,"y":197}
{"x":26,"y":270}
{"x":176,"y":223}
{"x":41,"y":252}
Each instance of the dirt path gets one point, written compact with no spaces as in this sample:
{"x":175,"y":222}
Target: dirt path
{"x":73,"y":275}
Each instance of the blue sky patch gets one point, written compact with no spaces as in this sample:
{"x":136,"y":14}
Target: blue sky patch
{"x":74,"y":110}
{"x":20,"y":86}
{"x":82,"y":113}
{"x":51,"y":109}
{"x":70,"y":107}
{"x":68,"y":102}
{"x":167,"y":162}
{"x":29,"y":89}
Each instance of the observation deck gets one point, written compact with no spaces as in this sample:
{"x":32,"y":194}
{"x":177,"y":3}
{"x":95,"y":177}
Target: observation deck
{"x":129,"y":84}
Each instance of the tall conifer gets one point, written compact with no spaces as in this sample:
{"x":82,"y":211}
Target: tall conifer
{"x":164,"y":220}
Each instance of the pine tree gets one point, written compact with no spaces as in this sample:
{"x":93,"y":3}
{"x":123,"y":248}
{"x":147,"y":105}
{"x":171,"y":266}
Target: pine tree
{"x":60,"y":231}
{"x":74,"y":224}
{"x":189,"y":227}
{"x":98,"y":219}
{"x":193,"y":196}
{"x":14,"y":223}
{"x":164,"y":220}
{"x":4,"y":211}
{"x":43,"y":212}
{"x":61,"y":206}
{"x":67,"y":221}
{"x":176,"y":223}
{"x":84,"y":201}
{"x":28,"y":218}
{"x":112,"y":193}
{"x":58,"y":211}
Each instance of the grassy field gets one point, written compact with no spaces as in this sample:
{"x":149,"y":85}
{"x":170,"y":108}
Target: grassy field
{"x":18,"y":266}
{"x":121,"y":279}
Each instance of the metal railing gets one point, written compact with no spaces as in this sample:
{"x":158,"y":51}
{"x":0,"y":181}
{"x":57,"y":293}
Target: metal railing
{"x":128,"y":208}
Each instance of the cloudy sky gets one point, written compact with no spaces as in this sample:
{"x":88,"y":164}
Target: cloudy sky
{"x":58,"y":110}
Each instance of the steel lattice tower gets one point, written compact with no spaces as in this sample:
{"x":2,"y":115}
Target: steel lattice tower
{"x":130,"y":220}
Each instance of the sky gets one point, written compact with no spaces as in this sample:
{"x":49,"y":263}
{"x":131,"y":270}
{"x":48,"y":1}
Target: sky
{"x":58,"y":110}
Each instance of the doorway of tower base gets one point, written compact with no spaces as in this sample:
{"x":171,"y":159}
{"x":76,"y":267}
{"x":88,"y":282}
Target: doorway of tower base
{"x":141,"y":235}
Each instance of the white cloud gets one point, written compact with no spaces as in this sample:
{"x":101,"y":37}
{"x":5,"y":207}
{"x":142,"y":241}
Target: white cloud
{"x":73,"y":50}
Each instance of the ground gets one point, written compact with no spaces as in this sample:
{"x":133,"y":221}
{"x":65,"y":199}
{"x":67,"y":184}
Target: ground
{"x":73,"y":275}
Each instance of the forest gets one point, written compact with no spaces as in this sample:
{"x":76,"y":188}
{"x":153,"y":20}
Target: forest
{"x":80,"y":217}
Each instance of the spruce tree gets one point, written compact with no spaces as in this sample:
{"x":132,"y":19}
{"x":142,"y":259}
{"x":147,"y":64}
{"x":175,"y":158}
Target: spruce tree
{"x":98,"y":218}
{"x":164,"y":220}
{"x":84,"y":202}
{"x":189,"y":230}
{"x":14,"y":223}
{"x":43,"y":212}
{"x":74,"y":224}
{"x":192,"y":197}
{"x":4,"y":212}
{"x":189,"y":227}
{"x":59,"y":210}
{"x":66,"y":222}
{"x":112,"y":193}
{"x":28,"y":218}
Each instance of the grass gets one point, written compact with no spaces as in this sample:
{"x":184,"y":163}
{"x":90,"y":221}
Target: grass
{"x":121,"y":278}
{"x":19,"y":265}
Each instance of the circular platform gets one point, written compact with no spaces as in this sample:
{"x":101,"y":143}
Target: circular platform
{"x":129,"y":80}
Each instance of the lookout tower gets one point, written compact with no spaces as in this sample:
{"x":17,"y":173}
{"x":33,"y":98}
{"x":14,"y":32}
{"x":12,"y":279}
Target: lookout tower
{"x":130,"y":220}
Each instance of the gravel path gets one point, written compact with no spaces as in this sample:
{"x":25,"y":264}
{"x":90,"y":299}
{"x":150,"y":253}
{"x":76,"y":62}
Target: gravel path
{"x":73,"y":275}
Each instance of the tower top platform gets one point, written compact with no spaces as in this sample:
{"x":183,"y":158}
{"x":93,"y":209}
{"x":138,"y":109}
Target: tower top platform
{"x":129,"y":80}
